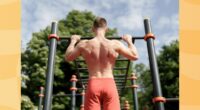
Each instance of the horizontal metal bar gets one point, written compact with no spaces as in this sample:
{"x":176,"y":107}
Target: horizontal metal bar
{"x":115,"y":75}
{"x":117,"y":38}
{"x":85,"y":79}
{"x":119,"y":81}
{"x":119,"y":78}
{"x":64,"y":95}
{"x":119,"y":84}
{"x":115,"y":68}
{"x":172,"y":99}
{"x":84,"y":76}
{"x":119,"y":75}
{"x":120,"y":68}
{"x":120,"y":87}
{"x":84,"y":82}
{"x":82,"y":68}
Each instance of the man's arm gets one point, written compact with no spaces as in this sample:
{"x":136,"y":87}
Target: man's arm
{"x":73,"y":51}
{"x":130,"y":52}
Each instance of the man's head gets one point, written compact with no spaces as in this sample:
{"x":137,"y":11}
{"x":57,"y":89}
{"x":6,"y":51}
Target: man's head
{"x":99,"y":23}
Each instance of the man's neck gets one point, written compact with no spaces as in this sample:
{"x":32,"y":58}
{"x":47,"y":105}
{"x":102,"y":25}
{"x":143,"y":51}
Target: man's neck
{"x":100,"y":33}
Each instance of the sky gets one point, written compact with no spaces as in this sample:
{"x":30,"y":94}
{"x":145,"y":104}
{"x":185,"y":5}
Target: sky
{"x":125,"y":15}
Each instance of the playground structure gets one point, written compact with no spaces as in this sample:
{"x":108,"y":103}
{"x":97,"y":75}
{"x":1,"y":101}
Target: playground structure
{"x":120,"y":79}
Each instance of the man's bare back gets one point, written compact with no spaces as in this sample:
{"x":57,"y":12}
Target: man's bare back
{"x":100,"y":54}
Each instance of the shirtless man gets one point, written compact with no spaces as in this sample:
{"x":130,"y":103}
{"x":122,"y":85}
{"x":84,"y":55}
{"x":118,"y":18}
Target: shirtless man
{"x":100,"y":55}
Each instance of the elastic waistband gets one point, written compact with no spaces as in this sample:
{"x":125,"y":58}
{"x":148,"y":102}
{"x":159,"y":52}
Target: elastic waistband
{"x":101,"y":79}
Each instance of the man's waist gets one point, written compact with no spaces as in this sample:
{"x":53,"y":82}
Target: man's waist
{"x":100,"y":75}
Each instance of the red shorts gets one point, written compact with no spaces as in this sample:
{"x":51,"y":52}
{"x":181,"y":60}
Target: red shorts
{"x":101,"y":92}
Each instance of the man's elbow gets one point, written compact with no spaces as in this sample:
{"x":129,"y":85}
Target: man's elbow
{"x":135,"y":57}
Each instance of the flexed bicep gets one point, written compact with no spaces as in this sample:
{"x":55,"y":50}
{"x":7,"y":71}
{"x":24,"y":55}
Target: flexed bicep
{"x":128,"y":52}
{"x":73,"y":52}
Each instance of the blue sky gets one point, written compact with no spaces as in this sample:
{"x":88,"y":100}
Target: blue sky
{"x":125,"y":15}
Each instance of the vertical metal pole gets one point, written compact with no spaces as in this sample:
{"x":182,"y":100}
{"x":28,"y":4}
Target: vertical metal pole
{"x":41,"y":95}
{"x":73,"y":90}
{"x":153,"y":66}
{"x":83,"y":99}
{"x":50,"y":68}
{"x":73,"y":96}
{"x":134,"y":90}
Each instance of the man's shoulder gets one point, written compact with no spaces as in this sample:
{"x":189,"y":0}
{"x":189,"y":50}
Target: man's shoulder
{"x":117,"y":42}
{"x":84,"y":41}
{"x":81,"y":43}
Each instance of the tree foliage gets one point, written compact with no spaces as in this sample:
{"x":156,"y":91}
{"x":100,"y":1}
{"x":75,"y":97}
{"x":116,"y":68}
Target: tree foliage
{"x":26,"y":103}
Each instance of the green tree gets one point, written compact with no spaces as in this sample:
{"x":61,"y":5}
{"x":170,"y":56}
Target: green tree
{"x":26,"y":103}
{"x":34,"y":58}
{"x":168,"y":63}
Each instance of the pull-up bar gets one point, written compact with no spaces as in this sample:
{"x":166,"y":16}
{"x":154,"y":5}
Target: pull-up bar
{"x":117,"y":38}
{"x":66,"y":38}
